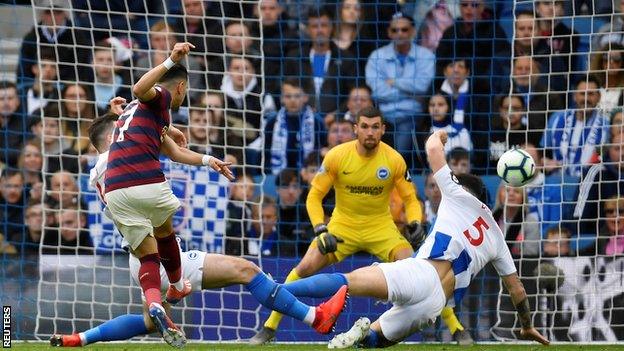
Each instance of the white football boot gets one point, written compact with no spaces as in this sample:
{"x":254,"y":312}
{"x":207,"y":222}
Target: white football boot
{"x":354,"y":336}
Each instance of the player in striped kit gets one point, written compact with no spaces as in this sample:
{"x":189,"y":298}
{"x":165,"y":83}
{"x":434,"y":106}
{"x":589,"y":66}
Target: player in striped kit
{"x":464,"y":238}
{"x":202,"y":270}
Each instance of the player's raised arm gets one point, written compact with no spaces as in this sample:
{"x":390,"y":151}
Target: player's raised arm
{"x":521,"y":302}
{"x":144,"y":88}
{"x":189,"y":157}
{"x":435,"y":150}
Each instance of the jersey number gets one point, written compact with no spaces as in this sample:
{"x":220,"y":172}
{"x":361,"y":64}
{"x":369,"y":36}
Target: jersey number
{"x":126,"y":125}
{"x":480,"y":225}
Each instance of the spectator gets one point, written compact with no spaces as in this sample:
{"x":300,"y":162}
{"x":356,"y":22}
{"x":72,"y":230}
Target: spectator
{"x":116,"y":18}
{"x":433,"y":197}
{"x":12,"y":203}
{"x":71,"y":237}
{"x":353,"y":34}
{"x":203,"y":32}
{"x":611,"y":32}
{"x":617,"y":123}
{"x":45,"y":86}
{"x":295,"y":229}
{"x":436,"y":21}
{"x":63,"y":191}
{"x":561,"y":40}
{"x":359,"y":98}
{"x":508,"y":129}
{"x":572,"y":135}
{"x":332,"y":70}
{"x":339,"y":132}
{"x":441,"y":117}
{"x":611,"y":235}
{"x":522,"y":231}
{"x":78,"y":110}
{"x":33,"y":218}
{"x":599,"y":182}
{"x":238,"y":215}
{"x":162,"y":38}
{"x":544,"y":194}
{"x":277,"y":40}
{"x":5,"y":247}
{"x":310,"y":167}
{"x":56,"y":32}
{"x":30,"y":162}
{"x":108,"y":83}
{"x":399,"y":74}
{"x":205,"y":134}
{"x":294,"y":131}
{"x":607,"y":64}
{"x":48,"y":130}
{"x":475,"y":36}
{"x":557,"y":242}
{"x":238,"y":43}
{"x":264,"y":227}
{"x":459,"y":160}
{"x":12,"y":123}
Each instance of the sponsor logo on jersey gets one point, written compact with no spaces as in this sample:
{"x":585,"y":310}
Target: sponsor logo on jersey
{"x":321,"y":169}
{"x":454,"y":178}
{"x":408,"y":176}
{"x":383,"y":173}
{"x":163,"y":133}
{"x":363,"y":189}
{"x":193,"y":255}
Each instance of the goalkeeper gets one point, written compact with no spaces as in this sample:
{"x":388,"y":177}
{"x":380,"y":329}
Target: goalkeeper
{"x":363,"y":173}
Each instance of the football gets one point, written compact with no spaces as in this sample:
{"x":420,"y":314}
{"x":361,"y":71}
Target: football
{"x":516,"y":167}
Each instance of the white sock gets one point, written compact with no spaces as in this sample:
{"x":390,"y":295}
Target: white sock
{"x":83,"y":340}
{"x":179,"y":284}
{"x":309,"y":318}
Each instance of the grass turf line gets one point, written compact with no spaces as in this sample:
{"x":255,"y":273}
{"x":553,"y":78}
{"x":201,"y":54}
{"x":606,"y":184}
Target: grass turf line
{"x":129,"y":346}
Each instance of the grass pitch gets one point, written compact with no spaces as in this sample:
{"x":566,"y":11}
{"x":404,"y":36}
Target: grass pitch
{"x":301,"y":347}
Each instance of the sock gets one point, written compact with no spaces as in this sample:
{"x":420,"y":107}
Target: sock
{"x":276,"y":317}
{"x":149,"y":278}
{"x":169,"y":252}
{"x":320,"y":285}
{"x":371,"y":340}
{"x":120,"y":328}
{"x":273,"y":296}
{"x":451,"y":321}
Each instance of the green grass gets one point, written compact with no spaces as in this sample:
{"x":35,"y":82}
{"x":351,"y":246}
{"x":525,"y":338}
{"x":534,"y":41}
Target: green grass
{"x":296,"y":347}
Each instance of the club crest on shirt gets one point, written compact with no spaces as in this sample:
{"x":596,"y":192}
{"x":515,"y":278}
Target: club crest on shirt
{"x":383,"y":173}
{"x":192,"y":255}
{"x":454,"y":178}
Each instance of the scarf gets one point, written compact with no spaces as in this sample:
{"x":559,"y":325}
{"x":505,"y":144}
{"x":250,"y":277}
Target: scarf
{"x":279,"y":144}
{"x":575,"y":156}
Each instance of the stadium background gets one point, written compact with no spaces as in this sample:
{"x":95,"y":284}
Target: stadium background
{"x":57,"y":284}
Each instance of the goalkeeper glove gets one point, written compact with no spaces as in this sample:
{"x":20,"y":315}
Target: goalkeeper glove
{"x":326,"y":241}
{"x":415,"y":234}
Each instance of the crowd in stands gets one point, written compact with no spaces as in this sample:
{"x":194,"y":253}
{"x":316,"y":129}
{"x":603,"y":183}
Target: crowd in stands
{"x":273,"y":87}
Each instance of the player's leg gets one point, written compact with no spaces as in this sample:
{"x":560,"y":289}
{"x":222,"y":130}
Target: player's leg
{"x":312,"y":262}
{"x":119,"y":328}
{"x":169,"y":252}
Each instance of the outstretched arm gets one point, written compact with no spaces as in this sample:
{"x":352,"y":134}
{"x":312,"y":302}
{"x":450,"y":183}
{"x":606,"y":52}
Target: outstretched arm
{"x":144,"y":88}
{"x":435,"y":150}
{"x":189,"y":157}
{"x":521,"y":302}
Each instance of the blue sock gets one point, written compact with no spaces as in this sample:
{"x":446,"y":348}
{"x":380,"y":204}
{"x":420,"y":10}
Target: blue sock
{"x":120,"y":328}
{"x":320,"y":285}
{"x":273,"y":296}
{"x":371,"y":340}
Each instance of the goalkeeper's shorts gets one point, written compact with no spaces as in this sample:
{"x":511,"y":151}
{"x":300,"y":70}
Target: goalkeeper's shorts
{"x":415,"y":290}
{"x":381,"y":240}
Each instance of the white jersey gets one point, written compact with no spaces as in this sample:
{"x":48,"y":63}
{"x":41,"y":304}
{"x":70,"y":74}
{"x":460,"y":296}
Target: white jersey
{"x":466,"y":234}
{"x":96,"y":175}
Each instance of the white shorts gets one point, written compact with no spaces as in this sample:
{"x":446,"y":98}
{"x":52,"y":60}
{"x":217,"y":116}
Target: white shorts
{"x":417,"y":296}
{"x":192,"y":269}
{"x":137,"y":210}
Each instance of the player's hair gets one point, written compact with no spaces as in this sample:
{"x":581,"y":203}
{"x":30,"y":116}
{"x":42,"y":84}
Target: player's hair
{"x":369,"y":112}
{"x":99,"y":129}
{"x":474,"y":185}
{"x":175,"y":74}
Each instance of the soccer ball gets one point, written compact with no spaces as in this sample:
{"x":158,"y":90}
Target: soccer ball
{"x":516,"y":167}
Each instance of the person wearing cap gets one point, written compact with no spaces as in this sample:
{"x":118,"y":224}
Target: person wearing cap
{"x":400,"y":75}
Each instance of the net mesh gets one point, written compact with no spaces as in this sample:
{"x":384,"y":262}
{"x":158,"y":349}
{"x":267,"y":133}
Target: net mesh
{"x":495,"y":74}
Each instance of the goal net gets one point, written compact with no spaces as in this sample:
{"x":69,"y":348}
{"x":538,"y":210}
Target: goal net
{"x":541,"y":75}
